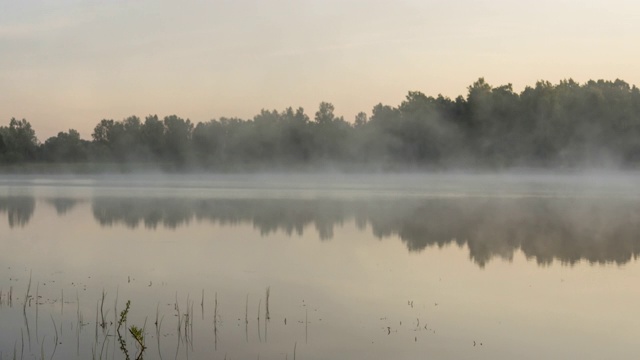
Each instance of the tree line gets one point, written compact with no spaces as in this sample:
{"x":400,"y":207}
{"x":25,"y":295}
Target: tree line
{"x":547,"y":125}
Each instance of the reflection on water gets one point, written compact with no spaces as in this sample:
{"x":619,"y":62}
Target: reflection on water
{"x":543,"y":228}
{"x":221,"y":275}
{"x":63,"y":205}
{"x":19,"y":209}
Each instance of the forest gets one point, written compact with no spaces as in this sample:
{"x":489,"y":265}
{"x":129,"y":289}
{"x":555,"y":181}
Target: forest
{"x":564,"y":125}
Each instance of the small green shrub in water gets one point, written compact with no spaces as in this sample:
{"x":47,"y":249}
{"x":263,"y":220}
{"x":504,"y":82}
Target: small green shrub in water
{"x":138,"y":335}
{"x":123,"y":314}
{"x":136,"y":332}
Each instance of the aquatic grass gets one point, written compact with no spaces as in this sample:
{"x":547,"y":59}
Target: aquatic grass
{"x":27,"y":296}
{"x":103,"y":324}
{"x":104,"y":342}
{"x":176,"y":307}
{"x":96,"y":323}
{"x":158,"y":324}
{"x":179,"y":315}
{"x":98,"y":345}
{"x":26,"y":322}
{"x":144,"y":326}
{"x":267,"y":316}
{"x":55,"y":339}
{"x":79,"y":323}
{"x":246,"y":319}
{"x":78,"y":312}
{"x":202,"y":304}
{"x":191,"y":326}
{"x":188,"y":323}
{"x":115,"y":314}
{"x":259,"y":305}
{"x":37,"y":296}
{"x":215,"y":322}
{"x":157,"y":313}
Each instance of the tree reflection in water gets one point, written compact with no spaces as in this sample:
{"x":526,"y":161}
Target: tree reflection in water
{"x":598,"y":230}
{"x":564,"y":229}
{"x":19,"y":209}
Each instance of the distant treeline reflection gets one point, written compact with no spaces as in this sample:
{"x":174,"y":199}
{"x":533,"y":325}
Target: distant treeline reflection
{"x":568,"y":230}
{"x":19,"y":209}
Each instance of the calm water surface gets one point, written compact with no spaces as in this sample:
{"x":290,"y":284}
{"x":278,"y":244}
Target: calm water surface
{"x":348,"y":267}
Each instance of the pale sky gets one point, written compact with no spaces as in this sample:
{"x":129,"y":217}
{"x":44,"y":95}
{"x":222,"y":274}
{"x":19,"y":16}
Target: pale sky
{"x":70,"y":63}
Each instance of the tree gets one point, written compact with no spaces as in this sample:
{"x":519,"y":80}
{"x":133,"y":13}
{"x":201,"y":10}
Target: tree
{"x":331,"y":134}
{"x":103,"y":132}
{"x":296,"y":138}
{"x":152,"y":137}
{"x":208,"y":142}
{"x":325,"y":113}
{"x":177,"y":139}
{"x":361,"y":119}
{"x":20,"y":141}
{"x":65,"y":147}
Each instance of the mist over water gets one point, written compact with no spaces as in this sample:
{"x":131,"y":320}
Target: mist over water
{"x":452,"y":265}
{"x":569,"y":218}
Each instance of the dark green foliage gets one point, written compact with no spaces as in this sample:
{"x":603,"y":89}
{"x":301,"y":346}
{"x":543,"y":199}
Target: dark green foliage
{"x":208,"y":142}
{"x":177,"y":139}
{"x":152,"y":137}
{"x":563,"y":125}
{"x":19,"y":142}
{"x":66,"y":147}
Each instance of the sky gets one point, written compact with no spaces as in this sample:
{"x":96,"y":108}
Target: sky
{"x":70,"y":63}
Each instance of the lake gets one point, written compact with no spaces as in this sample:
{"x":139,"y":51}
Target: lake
{"x":290,"y":266}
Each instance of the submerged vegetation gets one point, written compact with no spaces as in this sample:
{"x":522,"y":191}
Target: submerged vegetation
{"x":548,"y":125}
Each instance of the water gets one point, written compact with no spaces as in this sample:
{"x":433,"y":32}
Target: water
{"x":357,"y":267}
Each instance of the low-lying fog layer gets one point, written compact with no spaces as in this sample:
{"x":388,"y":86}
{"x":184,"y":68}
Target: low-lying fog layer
{"x":558,"y":183}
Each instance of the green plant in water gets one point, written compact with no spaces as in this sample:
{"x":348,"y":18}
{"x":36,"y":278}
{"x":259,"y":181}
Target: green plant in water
{"x":123,"y":314}
{"x":136,"y":332}
{"x":138,"y":336}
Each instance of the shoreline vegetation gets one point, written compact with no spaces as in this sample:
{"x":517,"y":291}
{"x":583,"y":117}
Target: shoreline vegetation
{"x":546,"y":126}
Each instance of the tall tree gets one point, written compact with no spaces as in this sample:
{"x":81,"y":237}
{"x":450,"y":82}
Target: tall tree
{"x":65,"y":147}
{"x":20,"y":142}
